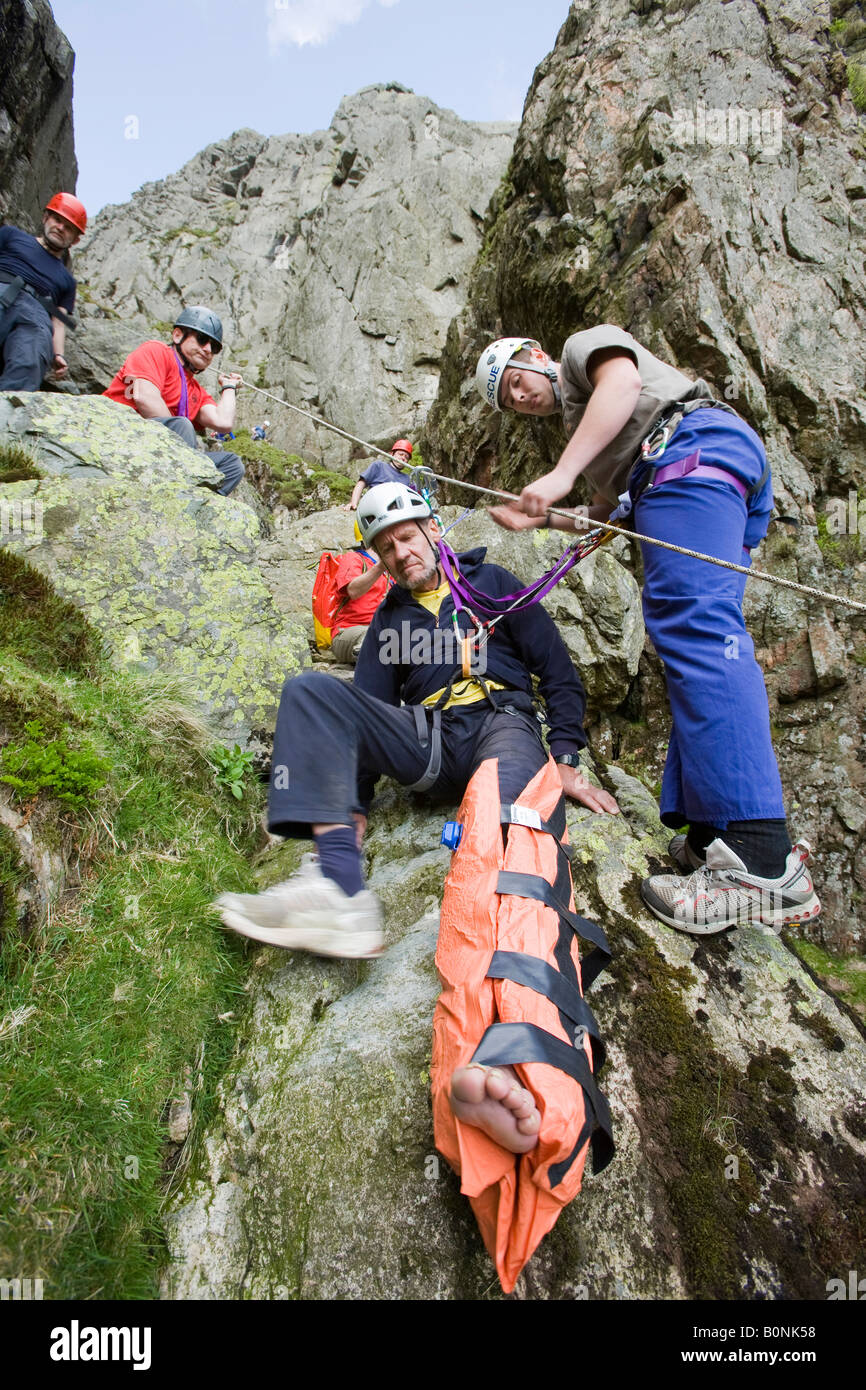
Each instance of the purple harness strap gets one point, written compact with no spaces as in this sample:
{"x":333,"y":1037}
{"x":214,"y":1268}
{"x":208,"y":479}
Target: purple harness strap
{"x":183,"y":403}
{"x":466,"y":594}
{"x":685,"y":467}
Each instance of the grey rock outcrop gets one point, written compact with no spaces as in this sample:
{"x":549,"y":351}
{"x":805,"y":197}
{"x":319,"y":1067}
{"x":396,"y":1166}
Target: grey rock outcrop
{"x":126,"y":523}
{"x":37,"y":154}
{"x":336,"y":260}
{"x":734,"y":1081}
{"x":697,"y":175}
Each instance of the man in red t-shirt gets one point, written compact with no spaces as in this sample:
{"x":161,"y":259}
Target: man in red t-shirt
{"x":362,"y":583}
{"x":159,"y":381}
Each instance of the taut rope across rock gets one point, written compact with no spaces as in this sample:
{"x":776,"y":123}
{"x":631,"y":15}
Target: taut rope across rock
{"x":807,"y":589}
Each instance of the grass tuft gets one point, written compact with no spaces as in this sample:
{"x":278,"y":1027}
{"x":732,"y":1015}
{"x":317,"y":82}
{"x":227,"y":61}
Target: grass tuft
{"x":112,"y":1006}
{"x":17,"y":464}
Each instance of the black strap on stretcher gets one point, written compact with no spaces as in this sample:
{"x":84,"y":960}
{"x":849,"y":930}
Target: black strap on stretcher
{"x":515,"y":814}
{"x":508,"y":1043}
{"x":504,"y":1044}
{"x":538,"y":975}
{"x":532,"y":886}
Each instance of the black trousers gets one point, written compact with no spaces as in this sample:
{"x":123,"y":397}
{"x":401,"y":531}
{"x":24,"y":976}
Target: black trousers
{"x":328,"y":731}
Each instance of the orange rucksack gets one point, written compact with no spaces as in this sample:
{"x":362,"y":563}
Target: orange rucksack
{"x":327,"y":603}
{"x":325,"y":598}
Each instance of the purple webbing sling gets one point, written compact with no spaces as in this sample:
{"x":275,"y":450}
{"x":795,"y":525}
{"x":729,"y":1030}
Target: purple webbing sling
{"x":486,"y":604}
{"x":183,"y":403}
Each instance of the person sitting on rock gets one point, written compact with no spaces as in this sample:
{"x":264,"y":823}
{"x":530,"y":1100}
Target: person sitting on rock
{"x":333,"y":740}
{"x":159,"y":381}
{"x":260,"y":432}
{"x":687,"y":470}
{"x":361,"y":583}
{"x":381,"y":471}
{"x":37,"y":295}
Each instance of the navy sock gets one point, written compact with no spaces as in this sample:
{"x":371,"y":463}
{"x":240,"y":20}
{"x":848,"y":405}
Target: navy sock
{"x":700,"y":835}
{"x":339,"y":858}
{"x":763,"y":845}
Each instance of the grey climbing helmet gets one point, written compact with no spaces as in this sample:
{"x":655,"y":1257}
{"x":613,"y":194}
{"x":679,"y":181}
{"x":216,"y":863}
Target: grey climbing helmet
{"x":201,"y":319}
{"x":385,"y":505}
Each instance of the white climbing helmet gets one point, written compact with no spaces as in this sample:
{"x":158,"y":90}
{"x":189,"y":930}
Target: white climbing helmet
{"x":496,"y":357}
{"x":385,"y":505}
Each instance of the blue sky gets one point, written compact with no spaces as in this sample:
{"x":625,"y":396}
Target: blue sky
{"x":156,"y":80}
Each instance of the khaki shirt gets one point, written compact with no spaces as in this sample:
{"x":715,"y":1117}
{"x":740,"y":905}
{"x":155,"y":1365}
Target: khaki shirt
{"x":661,"y":386}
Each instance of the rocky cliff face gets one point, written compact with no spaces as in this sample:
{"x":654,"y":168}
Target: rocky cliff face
{"x":37,"y":155}
{"x":735,"y":1080}
{"x":336,"y":261}
{"x":696,"y":174}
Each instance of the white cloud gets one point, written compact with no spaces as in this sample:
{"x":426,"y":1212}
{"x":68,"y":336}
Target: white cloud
{"x":312,"y":21}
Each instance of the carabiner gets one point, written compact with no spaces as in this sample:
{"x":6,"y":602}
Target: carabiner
{"x":655,"y":443}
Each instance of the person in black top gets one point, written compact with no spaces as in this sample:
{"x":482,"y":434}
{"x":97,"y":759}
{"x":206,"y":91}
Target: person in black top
{"x":333,"y":740}
{"x":37,"y":295}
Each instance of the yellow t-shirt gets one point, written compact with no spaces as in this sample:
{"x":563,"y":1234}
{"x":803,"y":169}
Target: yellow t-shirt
{"x":465,"y":692}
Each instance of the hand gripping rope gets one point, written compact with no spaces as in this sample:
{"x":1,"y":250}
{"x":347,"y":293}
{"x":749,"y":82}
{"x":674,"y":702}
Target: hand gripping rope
{"x":594,"y":533}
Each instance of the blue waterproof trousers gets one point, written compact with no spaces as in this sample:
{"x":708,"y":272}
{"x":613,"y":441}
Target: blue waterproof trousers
{"x":26,"y":344}
{"x":721,"y":766}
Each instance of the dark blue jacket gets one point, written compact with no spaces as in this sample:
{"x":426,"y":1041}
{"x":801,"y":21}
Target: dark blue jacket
{"x":21,"y":254}
{"x":523,"y":645}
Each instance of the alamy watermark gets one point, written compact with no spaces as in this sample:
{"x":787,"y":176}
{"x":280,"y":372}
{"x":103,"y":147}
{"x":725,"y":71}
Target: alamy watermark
{"x":846,"y":517}
{"x":19,"y":1290}
{"x":21,"y":517}
{"x":422,"y":647}
{"x":729,"y":125}
{"x":853,"y":1288}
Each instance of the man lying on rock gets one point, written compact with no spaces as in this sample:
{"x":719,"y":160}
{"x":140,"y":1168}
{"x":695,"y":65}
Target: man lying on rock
{"x":333,"y":740}
{"x":159,"y":381}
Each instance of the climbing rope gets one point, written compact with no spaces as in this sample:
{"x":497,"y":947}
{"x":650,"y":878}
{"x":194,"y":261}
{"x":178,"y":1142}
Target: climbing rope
{"x":581,"y":521}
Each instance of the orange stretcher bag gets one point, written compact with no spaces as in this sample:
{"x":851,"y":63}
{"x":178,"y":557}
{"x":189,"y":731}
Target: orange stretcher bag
{"x":513,"y":995}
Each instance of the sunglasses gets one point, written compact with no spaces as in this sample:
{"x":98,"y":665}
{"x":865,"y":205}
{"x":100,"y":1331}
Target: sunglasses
{"x":202,"y":338}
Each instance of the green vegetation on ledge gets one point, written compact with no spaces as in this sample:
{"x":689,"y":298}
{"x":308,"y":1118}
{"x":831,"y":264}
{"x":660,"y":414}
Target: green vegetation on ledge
{"x":124,"y":999}
{"x":845,"y":975}
{"x":17,"y":464}
{"x":287,"y":480}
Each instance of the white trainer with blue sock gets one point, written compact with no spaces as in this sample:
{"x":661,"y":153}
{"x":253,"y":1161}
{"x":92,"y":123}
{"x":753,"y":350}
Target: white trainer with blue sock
{"x":308,"y":913}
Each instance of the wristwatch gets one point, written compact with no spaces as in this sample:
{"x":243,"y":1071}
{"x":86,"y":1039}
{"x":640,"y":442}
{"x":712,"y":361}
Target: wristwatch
{"x":568,"y":759}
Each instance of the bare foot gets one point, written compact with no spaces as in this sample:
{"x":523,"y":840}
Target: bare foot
{"x":493,"y":1100}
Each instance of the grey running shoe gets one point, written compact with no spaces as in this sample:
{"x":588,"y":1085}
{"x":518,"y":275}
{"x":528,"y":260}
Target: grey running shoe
{"x":682,"y":854}
{"x":724,"y":894}
{"x":308,"y":913}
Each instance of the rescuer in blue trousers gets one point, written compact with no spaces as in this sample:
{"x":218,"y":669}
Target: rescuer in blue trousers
{"x":688,"y":470}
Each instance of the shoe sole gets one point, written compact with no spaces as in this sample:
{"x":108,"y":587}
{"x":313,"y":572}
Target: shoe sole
{"x":778,"y":917}
{"x":320,"y":941}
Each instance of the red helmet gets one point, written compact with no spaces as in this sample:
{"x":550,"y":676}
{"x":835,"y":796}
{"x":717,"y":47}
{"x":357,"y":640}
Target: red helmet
{"x":404,"y":445}
{"x":67,"y":205}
